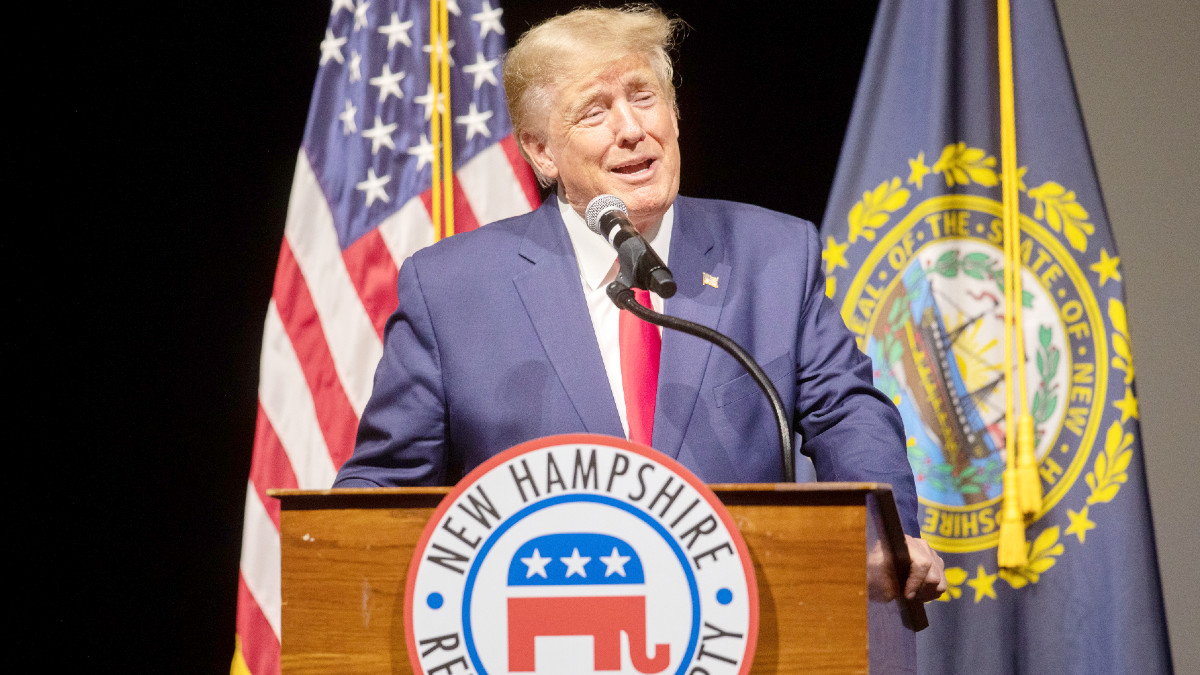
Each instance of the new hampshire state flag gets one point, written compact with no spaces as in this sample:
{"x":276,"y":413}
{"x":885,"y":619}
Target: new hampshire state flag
{"x":914,"y":256}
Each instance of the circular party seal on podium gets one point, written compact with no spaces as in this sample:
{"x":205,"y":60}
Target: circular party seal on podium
{"x":581,"y":554}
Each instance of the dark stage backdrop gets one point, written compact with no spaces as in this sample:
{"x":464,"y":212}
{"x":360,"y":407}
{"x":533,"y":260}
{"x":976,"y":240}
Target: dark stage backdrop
{"x":182,"y":124}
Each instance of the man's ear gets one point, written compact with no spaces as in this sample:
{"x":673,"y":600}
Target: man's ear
{"x":540,"y":154}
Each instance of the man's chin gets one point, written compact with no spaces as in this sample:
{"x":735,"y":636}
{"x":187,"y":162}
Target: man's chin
{"x":646,"y":209}
{"x":645,"y":204}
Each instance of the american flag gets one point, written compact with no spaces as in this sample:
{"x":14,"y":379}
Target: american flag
{"x":360,"y":204}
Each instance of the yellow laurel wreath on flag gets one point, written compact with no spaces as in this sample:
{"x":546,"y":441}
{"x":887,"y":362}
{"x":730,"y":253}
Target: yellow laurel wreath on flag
{"x":1108,"y":472}
{"x":962,"y":165}
{"x":1120,"y":338}
{"x":1059,"y":208}
{"x":875,"y":208}
{"x":1043,"y":553}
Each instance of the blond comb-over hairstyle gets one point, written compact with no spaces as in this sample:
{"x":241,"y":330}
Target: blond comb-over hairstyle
{"x":582,"y":41}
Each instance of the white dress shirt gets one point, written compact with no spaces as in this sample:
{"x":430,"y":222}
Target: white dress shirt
{"x":598,"y":266}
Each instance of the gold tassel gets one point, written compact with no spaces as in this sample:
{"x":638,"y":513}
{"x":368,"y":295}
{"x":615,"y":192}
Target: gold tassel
{"x":1029,"y":485}
{"x":1011,"y":552}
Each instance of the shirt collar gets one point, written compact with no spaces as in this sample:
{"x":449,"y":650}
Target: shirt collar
{"x":597,"y":259}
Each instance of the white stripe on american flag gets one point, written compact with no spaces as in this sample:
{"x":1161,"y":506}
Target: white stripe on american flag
{"x":288,"y":404}
{"x":351,"y":337}
{"x":492,"y":186}
{"x":407,"y":231}
{"x":260,"y":560}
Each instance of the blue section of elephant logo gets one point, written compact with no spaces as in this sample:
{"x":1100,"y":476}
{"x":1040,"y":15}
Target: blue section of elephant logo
{"x":575,"y":560}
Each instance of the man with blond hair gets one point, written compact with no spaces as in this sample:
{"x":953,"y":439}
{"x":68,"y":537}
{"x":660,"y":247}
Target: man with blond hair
{"x":506,"y":334}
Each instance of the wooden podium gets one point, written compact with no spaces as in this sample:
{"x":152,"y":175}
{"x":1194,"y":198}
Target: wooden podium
{"x":828,"y":557}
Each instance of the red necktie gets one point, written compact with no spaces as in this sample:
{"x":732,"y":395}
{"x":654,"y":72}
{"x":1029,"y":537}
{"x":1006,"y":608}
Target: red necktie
{"x":640,"y":347}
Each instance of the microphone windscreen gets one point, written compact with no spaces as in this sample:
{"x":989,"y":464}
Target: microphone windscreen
{"x":599,"y":206}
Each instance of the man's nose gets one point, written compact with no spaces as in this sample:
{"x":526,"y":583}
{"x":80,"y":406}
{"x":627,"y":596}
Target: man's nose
{"x":629,"y":130}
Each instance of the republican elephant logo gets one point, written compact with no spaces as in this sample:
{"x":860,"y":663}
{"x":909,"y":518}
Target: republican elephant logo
{"x":580,"y":584}
{"x":595,"y":574}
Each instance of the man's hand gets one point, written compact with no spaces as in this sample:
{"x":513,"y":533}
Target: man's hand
{"x":927,"y":576}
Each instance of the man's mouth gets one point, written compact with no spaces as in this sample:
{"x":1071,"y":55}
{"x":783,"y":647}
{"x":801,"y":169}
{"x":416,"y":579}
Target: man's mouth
{"x":635,"y":167}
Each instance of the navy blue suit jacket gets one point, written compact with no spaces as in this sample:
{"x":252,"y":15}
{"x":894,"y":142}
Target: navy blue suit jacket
{"x":492,"y":345}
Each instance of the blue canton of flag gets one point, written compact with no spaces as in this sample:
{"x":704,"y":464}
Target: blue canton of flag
{"x":368,"y":134}
{"x":914,"y":258}
{"x":360,"y":205}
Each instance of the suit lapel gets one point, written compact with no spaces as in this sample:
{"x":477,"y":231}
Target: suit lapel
{"x":553,"y":297}
{"x":695,"y":251}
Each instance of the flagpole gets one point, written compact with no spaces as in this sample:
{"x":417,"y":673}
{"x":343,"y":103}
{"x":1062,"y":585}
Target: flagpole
{"x":447,"y":137}
{"x":435,"y":126}
{"x":1011,"y":548}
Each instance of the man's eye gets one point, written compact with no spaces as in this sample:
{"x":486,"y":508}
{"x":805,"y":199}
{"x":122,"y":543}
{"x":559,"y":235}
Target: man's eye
{"x":643,"y":97}
{"x":593,"y":113}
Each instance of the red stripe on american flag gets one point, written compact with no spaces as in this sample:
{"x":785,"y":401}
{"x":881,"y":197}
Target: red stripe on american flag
{"x":335,"y":415}
{"x":260,"y":647}
{"x":269,"y":465}
{"x":464,"y":216}
{"x":374,"y":274}
{"x":522,"y":171}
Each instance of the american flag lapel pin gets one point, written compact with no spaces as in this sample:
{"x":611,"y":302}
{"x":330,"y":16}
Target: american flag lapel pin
{"x":710,"y":280}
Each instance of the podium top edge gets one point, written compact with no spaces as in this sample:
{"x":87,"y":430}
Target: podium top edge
{"x":719,"y":488}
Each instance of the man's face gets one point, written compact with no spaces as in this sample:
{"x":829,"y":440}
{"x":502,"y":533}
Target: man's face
{"x":612,"y":133}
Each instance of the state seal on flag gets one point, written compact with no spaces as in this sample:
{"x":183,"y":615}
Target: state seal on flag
{"x":581,"y":554}
{"x":924,"y":263}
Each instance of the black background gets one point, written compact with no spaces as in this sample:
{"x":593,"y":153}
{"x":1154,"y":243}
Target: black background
{"x":140,"y":291}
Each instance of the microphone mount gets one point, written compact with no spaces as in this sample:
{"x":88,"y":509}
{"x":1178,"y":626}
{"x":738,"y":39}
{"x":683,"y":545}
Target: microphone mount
{"x":642,"y":268}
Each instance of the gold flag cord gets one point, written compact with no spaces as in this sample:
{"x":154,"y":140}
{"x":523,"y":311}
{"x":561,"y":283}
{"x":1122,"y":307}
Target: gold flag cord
{"x":442,"y":192}
{"x":1022,"y":487}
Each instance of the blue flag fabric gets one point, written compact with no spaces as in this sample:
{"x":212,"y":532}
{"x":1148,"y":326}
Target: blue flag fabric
{"x":914,"y":260}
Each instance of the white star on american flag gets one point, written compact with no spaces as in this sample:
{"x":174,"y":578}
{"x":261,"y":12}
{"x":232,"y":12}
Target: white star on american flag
{"x":380,"y":135}
{"x":397,"y":31}
{"x":423,"y":151}
{"x":341,"y":4}
{"x":427,"y":101}
{"x":475,"y":122}
{"x":449,"y":48}
{"x":483,"y":70}
{"x":388,"y":83}
{"x":347,"y":118}
{"x":488,"y":20}
{"x":360,"y":15}
{"x":373,"y":186}
{"x":331,"y":47}
{"x":355,"y":66}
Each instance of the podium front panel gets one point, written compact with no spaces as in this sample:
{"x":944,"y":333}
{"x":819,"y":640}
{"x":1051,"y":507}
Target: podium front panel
{"x":346,"y":555}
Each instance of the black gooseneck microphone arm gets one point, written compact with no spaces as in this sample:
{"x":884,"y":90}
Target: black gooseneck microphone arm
{"x":621,"y":294}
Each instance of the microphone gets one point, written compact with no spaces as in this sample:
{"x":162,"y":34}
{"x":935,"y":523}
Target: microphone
{"x":607,"y":216}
